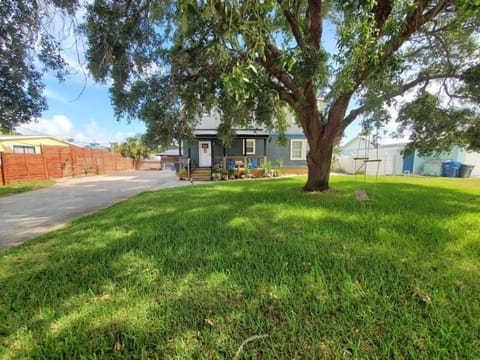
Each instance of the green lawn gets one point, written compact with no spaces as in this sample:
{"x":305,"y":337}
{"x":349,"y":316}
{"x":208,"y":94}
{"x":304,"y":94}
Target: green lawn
{"x":193,"y":272}
{"x":23,"y":187}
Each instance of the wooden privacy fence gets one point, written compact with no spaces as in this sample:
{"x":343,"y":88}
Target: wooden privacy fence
{"x":60,"y":161}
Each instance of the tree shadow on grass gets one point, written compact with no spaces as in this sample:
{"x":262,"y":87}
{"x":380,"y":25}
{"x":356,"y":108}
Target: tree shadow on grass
{"x":192,"y":272}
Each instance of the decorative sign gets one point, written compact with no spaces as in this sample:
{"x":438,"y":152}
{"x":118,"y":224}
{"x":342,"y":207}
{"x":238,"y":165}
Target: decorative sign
{"x":205,"y":147}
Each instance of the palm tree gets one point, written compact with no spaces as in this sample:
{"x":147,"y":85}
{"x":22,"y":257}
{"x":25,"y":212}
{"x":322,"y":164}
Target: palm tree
{"x":135,"y":148}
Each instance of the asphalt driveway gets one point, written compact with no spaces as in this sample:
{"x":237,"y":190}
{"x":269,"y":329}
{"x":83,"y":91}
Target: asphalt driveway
{"x":30,"y":214}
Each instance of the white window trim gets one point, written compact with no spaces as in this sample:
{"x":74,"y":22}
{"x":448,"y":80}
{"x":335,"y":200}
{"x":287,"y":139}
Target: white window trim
{"x":303,"y":154}
{"x":15,"y":149}
{"x":245,"y":145}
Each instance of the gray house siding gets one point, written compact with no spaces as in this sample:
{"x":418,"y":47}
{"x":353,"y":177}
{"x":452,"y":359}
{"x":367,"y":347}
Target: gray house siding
{"x":235,"y":149}
{"x":277,"y":151}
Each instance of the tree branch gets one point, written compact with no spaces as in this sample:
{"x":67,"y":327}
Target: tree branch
{"x":415,"y":21}
{"x":314,"y":17}
{"x":283,"y":93}
{"x":381,"y":12}
{"x":294,"y":25}
{"x":422,"y":78}
{"x":271,"y":52}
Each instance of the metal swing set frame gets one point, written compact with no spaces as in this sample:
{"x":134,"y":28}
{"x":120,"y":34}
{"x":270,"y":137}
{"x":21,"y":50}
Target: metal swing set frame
{"x":364,"y":159}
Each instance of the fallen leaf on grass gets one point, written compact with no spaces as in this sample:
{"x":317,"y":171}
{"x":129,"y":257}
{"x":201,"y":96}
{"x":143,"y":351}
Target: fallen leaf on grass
{"x":209,"y":321}
{"x":104,"y":298}
{"x":117,"y":346}
{"x":422,"y":295}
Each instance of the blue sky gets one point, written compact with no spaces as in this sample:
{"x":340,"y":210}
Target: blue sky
{"x":80,"y":109}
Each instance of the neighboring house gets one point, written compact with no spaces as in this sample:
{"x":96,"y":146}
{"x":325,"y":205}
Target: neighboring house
{"x":28,"y":144}
{"x":169,"y":157}
{"x":386,"y":158}
{"x":251,"y":147}
{"x":154,"y":162}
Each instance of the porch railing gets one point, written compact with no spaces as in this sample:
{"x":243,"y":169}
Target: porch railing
{"x":185,"y":163}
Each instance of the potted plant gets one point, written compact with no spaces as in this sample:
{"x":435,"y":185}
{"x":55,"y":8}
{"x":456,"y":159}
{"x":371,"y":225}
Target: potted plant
{"x":217,"y":172}
{"x":267,"y":168}
{"x":182,"y":174}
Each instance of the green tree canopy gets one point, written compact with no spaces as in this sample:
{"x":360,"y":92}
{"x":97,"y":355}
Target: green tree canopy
{"x":27,"y":50}
{"x":251,"y":59}
{"x":435,"y":128}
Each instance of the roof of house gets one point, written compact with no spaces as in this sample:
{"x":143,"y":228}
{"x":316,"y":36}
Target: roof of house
{"x":383,"y":141}
{"x":210,"y":121}
{"x":32,"y":137}
{"x":169,"y":152}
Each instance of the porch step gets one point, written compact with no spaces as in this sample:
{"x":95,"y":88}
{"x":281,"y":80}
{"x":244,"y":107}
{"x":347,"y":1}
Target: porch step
{"x":201,"y":174}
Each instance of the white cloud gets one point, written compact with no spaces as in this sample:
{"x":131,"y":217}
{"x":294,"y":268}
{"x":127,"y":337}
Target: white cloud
{"x":62,"y":127}
{"x":53,"y":95}
{"x":59,"y":126}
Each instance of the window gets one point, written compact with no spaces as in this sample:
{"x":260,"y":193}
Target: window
{"x":23,"y":149}
{"x":250,"y":146}
{"x":298,"y":149}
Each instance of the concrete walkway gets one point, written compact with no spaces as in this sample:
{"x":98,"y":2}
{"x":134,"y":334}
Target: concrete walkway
{"x":30,"y":214}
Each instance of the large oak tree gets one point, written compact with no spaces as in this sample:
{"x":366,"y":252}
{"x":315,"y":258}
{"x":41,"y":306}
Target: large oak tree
{"x":28,"y":48}
{"x":249,"y":59}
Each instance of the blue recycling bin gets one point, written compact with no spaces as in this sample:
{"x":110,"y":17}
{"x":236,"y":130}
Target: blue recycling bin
{"x":451,"y":168}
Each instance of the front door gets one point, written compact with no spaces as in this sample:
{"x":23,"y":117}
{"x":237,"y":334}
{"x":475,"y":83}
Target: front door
{"x":204,"y":153}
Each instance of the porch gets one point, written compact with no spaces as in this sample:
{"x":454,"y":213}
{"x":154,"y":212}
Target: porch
{"x":246,"y":155}
{"x":228,"y":167}
{"x":248,"y":165}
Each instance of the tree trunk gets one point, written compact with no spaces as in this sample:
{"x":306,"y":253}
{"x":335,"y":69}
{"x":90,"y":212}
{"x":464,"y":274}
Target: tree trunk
{"x":319,"y":156}
{"x":318,"y":163}
{"x":322,"y":137}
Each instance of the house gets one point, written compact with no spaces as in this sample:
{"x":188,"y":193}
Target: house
{"x":252,"y":148}
{"x":28,"y":144}
{"x":248,"y":147}
{"x":153,"y":162}
{"x":385,"y":157}
{"x":169,"y":157}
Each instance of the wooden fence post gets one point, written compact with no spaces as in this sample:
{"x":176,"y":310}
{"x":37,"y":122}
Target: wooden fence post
{"x":45,"y":168}
{"x":26,"y":166}
{"x":2,"y":166}
{"x":62,"y":166}
{"x":74,"y":161}
{"x":94,"y":162}
{"x":103,"y":162}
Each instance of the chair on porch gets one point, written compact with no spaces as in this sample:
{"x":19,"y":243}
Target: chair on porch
{"x":252,"y":163}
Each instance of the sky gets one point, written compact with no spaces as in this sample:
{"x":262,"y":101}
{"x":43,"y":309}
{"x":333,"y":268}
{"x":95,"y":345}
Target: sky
{"x":80,"y":110}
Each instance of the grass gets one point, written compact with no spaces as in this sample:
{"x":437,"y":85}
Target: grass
{"x":18,"y":188}
{"x":192,"y":272}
